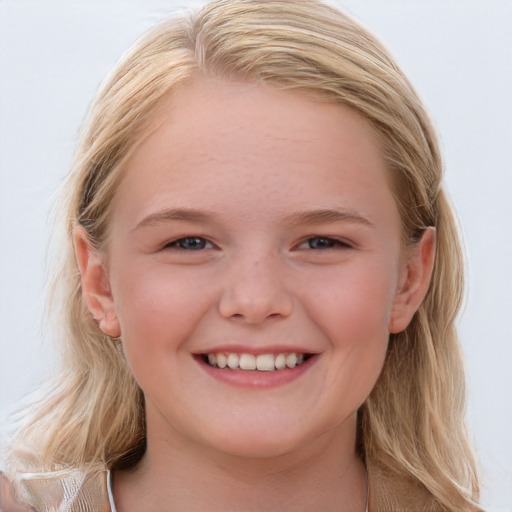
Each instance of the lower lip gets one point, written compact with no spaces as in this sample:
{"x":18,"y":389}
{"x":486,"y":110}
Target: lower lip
{"x":255,"y":378}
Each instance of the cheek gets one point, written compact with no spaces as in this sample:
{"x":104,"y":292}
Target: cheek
{"x":352,"y":308}
{"x":156,"y":306}
{"x":158,"y":311}
{"x":355,"y":300}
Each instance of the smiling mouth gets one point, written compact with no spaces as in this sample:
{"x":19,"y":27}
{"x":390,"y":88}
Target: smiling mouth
{"x":250,"y":362}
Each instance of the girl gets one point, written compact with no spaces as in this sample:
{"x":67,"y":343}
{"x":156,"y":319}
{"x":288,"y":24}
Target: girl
{"x":259,"y":285}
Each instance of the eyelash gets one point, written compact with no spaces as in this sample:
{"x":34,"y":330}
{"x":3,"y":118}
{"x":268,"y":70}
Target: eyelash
{"x":326,"y":241}
{"x":177,"y":244}
{"x":202,"y":244}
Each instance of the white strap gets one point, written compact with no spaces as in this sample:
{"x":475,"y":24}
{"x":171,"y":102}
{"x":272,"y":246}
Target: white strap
{"x":110,"y":493}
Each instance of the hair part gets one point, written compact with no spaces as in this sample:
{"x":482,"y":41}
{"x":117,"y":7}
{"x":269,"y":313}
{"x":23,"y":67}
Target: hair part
{"x":413,"y":421}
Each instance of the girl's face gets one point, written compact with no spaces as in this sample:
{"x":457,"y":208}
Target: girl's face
{"x":254,"y":228}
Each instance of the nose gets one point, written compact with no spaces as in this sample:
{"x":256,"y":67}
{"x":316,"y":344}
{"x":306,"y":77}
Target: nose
{"x":255,"y":291}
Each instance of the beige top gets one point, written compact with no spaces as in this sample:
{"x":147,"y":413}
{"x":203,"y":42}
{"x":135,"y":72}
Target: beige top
{"x":75,"y":491}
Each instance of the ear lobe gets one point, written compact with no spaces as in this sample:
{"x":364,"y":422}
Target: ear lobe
{"x":414,"y":282}
{"x":95,"y":284}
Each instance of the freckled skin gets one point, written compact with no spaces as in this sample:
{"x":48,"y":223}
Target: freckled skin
{"x":250,"y":157}
{"x":252,"y":220}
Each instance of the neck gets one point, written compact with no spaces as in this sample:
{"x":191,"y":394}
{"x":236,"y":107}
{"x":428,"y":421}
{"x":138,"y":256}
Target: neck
{"x":173,"y":476}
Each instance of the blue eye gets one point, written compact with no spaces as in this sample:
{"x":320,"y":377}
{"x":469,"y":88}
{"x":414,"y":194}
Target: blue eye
{"x":190,"y":243}
{"x":322,"y":242}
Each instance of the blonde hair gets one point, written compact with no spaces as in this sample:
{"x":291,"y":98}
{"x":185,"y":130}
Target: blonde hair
{"x":413,"y":421}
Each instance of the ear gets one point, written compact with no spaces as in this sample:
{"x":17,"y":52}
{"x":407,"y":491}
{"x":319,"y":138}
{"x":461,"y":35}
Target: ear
{"x":96,"y":289}
{"x":414,"y":281}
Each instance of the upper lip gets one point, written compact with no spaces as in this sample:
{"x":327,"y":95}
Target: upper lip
{"x":250,"y":349}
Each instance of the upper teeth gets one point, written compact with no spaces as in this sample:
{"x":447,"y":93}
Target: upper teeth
{"x":262,"y":362}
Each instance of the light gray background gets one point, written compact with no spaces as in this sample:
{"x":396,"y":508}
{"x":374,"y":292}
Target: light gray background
{"x":458,"y":53}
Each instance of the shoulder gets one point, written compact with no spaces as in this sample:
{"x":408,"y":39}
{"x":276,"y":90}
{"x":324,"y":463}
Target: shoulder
{"x":10,"y":499}
{"x":69,"y":490}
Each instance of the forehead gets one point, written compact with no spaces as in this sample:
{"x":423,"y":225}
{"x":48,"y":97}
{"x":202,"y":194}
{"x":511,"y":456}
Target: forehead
{"x":214,"y":137}
{"x":211,"y":108}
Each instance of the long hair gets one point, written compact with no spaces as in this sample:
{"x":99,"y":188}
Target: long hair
{"x":412,"y":424}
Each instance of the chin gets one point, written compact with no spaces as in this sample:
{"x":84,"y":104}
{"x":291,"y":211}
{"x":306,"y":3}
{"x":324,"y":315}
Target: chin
{"x":258,"y":448}
{"x":255,"y":441}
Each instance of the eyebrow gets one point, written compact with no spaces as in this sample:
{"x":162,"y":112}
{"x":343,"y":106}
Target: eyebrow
{"x":315,"y":216}
{"x":175,"y":214}
{"x":318,"y":216}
